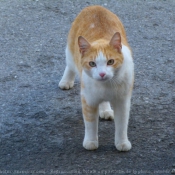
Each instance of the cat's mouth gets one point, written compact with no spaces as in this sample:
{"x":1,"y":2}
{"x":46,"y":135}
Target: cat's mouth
{"x":103,"y":79}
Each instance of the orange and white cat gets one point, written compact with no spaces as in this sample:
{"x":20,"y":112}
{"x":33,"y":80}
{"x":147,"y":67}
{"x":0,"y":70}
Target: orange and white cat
{"x":98,"y":50}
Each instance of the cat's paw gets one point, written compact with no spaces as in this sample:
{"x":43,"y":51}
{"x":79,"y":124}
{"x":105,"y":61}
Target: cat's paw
{"x":65,"y":85}
{"x":108,"y":114}
{"x":90,"y":145}
{"x":123,"y":146}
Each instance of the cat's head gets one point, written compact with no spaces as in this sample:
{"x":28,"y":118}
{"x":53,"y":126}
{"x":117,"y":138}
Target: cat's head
{"x":100,"y":60}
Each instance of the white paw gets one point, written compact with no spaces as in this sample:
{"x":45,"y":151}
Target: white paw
{"x":66,"y":84}
{"x":90,"y":145}
{"x":108,"y":114}
{"x":124,"y":146}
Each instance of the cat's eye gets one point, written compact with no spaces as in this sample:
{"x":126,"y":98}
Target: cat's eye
{"x":110,"y":62}
{"x":92,"y":64}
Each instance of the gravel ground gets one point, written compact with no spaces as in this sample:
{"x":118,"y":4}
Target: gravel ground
{"x":41,"y":126}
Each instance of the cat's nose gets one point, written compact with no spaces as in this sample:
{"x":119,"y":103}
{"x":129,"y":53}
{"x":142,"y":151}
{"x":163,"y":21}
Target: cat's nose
{"x":102,"y":74}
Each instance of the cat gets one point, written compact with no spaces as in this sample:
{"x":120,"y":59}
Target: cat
{"x":98,"y":50}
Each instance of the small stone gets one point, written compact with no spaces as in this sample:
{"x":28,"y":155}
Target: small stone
{"x":171,"y":143}
{"x":173,"y":171}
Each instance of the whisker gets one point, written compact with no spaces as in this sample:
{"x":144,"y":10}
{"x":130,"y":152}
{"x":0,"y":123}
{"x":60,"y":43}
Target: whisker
{"x":114,"y":84}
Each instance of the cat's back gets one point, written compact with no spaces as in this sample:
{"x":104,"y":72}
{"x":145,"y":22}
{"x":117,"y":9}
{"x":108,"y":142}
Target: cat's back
{"x":96,"y":22}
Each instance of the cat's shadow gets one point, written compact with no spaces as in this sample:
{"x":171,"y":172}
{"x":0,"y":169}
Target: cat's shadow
{"x":105,"y":120}
{"x":103,"y":149}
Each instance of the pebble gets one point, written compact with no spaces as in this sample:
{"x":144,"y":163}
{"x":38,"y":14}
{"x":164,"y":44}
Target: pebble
{"x":173,"y":171}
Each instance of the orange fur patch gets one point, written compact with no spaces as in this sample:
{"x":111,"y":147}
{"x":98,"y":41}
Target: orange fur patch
{"x":89,"y":112}
{"x":82,"y":85}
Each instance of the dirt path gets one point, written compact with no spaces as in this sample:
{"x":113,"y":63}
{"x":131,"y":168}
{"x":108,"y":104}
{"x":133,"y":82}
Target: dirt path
{"x":41,"y":127}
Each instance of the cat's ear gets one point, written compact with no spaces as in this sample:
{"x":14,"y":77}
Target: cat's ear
{"x":116,"y":42}
{"x":83,"y":45}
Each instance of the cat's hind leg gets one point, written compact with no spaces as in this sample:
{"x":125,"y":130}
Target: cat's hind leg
{"x":105,"y":111}
{"x":67,"y":81}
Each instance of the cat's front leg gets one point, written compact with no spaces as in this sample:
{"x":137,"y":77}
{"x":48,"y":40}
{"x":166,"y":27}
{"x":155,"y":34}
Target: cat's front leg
{"x":90,"y":115}
{"x":121,"y":117}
